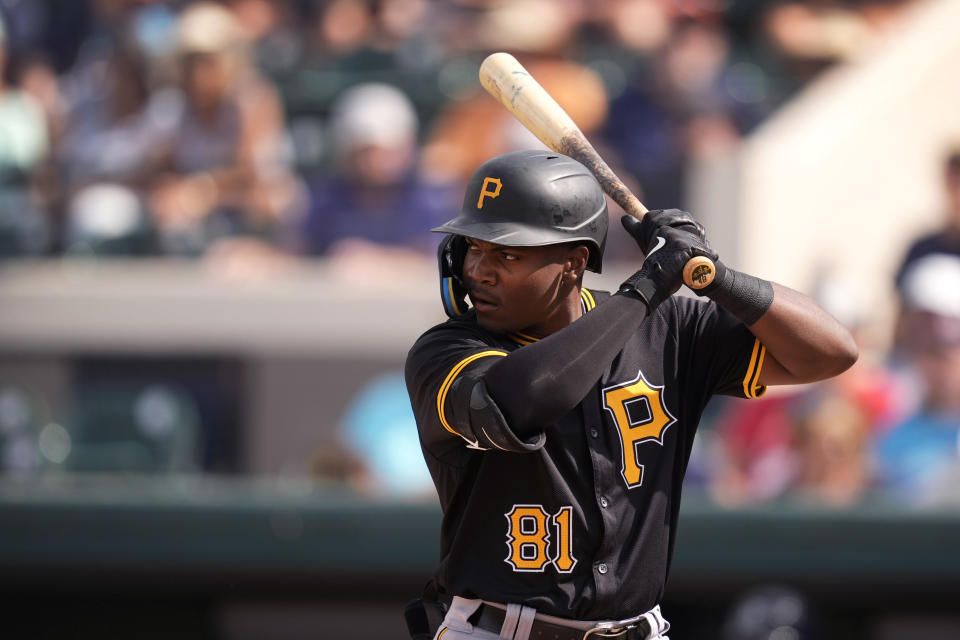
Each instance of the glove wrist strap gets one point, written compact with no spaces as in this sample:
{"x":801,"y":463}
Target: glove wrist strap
{"x":642,"y":288}
{"x":743,"y":295}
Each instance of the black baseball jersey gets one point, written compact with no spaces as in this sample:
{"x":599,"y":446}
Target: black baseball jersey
{"x":582,"y":525}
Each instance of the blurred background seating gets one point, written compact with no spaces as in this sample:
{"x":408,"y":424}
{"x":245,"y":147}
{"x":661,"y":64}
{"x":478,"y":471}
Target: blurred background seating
{"x":21,"y":420}
{"x":124,"y":428}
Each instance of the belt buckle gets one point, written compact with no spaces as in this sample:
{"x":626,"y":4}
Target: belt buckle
{"x":611,"y":628}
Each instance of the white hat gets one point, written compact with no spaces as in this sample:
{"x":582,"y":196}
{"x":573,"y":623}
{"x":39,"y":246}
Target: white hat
{"x":372,"y":113}
{"x":932,"y":284}
{"x":104,"y":210}
{"x":208,"y":28}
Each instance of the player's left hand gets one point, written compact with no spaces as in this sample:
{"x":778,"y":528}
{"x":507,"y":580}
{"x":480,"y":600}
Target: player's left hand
{"x":644,"y":231}
{"x":670,"y":239}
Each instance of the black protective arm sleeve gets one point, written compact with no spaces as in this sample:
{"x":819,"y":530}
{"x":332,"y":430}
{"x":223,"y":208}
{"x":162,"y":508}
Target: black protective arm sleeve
{"x":536,"y":385}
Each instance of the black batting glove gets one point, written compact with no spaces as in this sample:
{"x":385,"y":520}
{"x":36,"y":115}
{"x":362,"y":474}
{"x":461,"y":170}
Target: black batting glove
{"x":745,"y":296}
{"x":669,"y":239}
{"x":643,"y":231}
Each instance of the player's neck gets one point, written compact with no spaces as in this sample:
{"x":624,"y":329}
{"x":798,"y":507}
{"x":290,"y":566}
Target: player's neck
{"x":567,"y":309}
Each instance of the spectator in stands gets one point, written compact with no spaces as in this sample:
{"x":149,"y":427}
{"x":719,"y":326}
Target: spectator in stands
{"x":223,"y":171}
{"x":833,"y":433}
{"x":348,"y":42}
{"x":375,"y":202}
{"x":839,"y":420}
{"x":469,"y":130}
{"x":335,"y":466}
{"x":802,"y":39}
{"x":945,"y":239}
{"x":814,"y":443}
{"x":356,"y":36}
{"x":688,"y":100}
{"x":24,"y":142}
{"x":470,"y":127}
{"x":752,"y":453}
{"x":106,"y":155}
{"x":919,"y":458}
{"x":272,"y":29}
{"x":111,"y":135}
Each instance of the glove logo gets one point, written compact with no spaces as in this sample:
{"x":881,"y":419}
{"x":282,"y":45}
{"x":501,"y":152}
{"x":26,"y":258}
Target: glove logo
{"x":659,"y":245}
{"x":488,"y":194}
{"x":641,"y":416}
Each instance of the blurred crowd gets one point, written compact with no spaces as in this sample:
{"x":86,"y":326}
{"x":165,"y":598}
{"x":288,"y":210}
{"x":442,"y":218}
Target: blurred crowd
{"x":890,"y":424}
{"x":249,"y":131}
{"x":251,"y":128}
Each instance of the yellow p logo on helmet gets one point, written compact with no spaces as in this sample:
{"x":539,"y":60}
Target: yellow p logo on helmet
{"x":484,"y":193}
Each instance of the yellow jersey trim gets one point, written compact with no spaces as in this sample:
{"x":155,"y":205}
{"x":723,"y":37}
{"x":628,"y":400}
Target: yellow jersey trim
{"x":523,"y":339}
{"x":751,"y":386}
{"x":589,"y":302}
{"x":442,"y":394}
{"x":445,"y":629}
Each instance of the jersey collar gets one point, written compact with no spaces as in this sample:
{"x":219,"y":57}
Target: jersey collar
{"x":587,"y":303}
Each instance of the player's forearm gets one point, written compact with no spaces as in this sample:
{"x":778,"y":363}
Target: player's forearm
{"x":804,"y":343}
{"x":536,"y":385}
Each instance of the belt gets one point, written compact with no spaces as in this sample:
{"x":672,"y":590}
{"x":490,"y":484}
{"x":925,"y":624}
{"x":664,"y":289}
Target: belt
{"x":490,"y":618}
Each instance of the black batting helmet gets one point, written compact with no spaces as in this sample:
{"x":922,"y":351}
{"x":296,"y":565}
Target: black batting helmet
{"x":534,"y":198}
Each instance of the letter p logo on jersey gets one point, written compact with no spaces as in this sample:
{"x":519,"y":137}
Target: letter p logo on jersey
{"x":484,"y":193}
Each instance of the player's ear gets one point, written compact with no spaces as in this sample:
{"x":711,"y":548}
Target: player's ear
{"x":577,"y":257}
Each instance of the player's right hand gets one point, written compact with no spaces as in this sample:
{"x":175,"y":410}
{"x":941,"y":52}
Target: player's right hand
{"x":669,"y":238}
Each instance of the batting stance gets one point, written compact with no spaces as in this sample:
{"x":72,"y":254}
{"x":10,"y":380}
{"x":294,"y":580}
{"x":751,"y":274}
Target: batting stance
{"x":557,"y":421}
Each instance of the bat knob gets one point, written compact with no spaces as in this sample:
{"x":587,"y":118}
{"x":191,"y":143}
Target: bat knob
{"x":699,"y":272}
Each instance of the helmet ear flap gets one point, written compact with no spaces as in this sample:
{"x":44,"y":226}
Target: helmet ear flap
{"x":453,"y":293}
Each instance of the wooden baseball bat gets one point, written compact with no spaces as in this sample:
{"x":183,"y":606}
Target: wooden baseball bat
{"x":506,"y":80}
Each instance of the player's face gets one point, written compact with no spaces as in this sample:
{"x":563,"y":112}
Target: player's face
{"x":520,"y":288}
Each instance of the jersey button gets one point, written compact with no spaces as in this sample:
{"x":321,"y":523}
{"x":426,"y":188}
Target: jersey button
{"x":602,"y":568}
{"x":594,"y":433}
{"x":604,"y":502}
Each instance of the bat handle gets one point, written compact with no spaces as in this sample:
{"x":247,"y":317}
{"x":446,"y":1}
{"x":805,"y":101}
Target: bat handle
{"x":699,"y":272}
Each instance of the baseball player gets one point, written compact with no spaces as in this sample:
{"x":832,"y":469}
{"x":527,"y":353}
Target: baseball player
{"x":557,"y":421}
